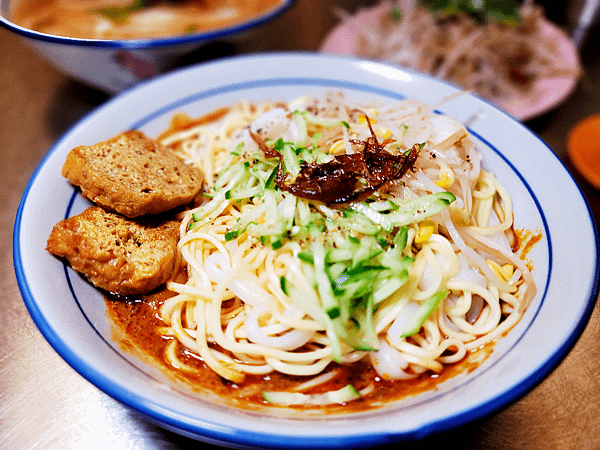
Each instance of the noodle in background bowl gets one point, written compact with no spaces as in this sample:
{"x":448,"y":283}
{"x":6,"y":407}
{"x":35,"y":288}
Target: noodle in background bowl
{"x":71,"y":314}
{"x":545,"y":94}
{"x":114,"y":65}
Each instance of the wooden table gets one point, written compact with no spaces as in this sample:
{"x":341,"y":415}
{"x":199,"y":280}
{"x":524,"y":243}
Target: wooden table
{"x":45,"y":404}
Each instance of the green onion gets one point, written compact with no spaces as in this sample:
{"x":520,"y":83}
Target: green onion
{"x":231,"y":235}
{"x":120,"y":14}
{"x":283,"y":284}
{"x":396,"y":14}
{"x":482,"y":11}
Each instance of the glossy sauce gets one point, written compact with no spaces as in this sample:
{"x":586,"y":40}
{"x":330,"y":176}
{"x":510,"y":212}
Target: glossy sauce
{"x":135,"y":323}
{"x":525,"y":240}
{"x":81,"y":19}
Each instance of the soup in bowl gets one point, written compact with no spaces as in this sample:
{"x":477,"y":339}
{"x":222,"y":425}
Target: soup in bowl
{"x":113,"y":44}
{"x":134,"y":19}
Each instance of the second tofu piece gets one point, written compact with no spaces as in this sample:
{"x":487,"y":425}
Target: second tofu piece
{"x":120,"y":255}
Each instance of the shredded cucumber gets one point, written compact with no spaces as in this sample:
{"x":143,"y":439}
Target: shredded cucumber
{"x":324,"y":287}
{"x":327,"y":123}
{"x":415,"y":323}
{"x":346,"y":394}
{"x":374,"y":216}
{"x":291,"y":162}
{"x":353,"y":257}
{"x":418,"y":209}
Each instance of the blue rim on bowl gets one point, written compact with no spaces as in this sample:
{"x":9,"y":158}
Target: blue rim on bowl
{"x":147,"y":43}
{"x":278,"y":74}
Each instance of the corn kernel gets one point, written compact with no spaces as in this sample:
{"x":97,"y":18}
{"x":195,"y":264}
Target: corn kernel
{"x":337,"y":147}
{"x":444,"y":181}
{"x":384,"y":132}
{"x":502,"y":272}
{"x":426,"y":229}
{"x":362,"y":119}
{"x":445,"y":177}
{"x":508,"y":270}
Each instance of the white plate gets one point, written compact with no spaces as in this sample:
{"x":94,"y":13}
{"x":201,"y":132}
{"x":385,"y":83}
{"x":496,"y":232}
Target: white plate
{"x":546,"y":94}
{"x":71,"y":314}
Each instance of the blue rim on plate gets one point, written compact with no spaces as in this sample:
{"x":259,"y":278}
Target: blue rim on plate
{"x":150,"y":43}
{"x":277,"y":73}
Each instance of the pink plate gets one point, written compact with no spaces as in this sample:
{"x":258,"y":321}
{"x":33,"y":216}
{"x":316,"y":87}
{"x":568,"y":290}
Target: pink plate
{"x":547,"y":93}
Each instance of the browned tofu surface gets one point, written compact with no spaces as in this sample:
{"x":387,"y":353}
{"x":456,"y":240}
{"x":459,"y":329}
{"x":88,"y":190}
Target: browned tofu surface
{"x":133,"y":175}
{"x":120,"y":255}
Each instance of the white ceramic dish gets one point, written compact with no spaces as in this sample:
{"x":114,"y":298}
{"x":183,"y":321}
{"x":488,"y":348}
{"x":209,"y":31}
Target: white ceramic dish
{"x":114,"y":65}
{"x":71,"y":314}
{"x":546,"y":94}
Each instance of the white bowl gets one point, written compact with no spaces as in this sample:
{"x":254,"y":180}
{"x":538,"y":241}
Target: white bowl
{"x":114,"y":65}
{"x":71,"y":314}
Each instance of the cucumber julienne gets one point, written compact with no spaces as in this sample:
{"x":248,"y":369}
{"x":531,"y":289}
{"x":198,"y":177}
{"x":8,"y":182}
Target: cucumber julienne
{"x":352,"y":253}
